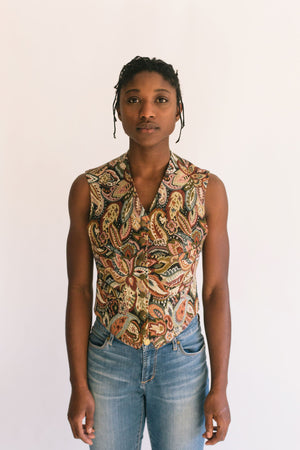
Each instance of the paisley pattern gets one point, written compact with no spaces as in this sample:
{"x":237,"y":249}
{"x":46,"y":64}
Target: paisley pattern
{"x":146,"y":260}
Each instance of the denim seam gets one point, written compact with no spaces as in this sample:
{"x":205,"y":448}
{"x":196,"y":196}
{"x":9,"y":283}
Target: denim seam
{"x":99,"y":346}
{"x":154,"y":369}
{"x":99,"y":335}
{"x":192,"y":353}
{"x":174,"y":344}
{"x":140,"y":432}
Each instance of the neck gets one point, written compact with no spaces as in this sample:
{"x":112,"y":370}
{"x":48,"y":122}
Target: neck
{"x":149,"y":158}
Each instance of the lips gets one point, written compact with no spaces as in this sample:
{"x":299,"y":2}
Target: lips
{"x":147,"y":126}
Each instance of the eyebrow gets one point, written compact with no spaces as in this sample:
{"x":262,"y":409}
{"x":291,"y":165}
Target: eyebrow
{"x":156,"y":90}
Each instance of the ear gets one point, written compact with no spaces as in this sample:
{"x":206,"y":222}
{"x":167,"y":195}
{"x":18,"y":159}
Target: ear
{"x":178,"y":111}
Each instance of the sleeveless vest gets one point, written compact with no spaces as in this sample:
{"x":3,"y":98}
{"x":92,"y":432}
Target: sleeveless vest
{"x":146,"y":261}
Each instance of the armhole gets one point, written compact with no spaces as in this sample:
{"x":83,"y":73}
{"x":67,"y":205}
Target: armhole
{"x":205,"y":184}
{"x":89,"y":181}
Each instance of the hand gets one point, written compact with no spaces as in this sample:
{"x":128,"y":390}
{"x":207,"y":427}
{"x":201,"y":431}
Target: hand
{"x":216,"y":407}
{"x":82,"y":405}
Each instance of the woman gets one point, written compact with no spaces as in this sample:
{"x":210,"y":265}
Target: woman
{"x":145,"y":217}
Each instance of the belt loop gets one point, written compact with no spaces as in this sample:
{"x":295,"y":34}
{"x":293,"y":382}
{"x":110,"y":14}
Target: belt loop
{"x":174,"y":342}
{"x":110,"y":339}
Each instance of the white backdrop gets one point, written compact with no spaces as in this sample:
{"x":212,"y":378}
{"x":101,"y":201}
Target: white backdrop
{"x":238,"y":64}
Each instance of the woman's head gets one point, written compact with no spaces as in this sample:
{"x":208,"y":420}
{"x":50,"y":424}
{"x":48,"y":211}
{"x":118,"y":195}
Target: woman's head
{"x":142,"y":64}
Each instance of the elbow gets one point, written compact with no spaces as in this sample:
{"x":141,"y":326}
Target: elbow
{"x":85,"y":290}
{"x":215,"y":291}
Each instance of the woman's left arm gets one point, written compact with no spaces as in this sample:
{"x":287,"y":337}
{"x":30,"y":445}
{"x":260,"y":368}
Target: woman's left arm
{"x":217,"y":321}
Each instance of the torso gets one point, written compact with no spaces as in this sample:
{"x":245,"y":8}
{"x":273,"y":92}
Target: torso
{"x":146,"y":235}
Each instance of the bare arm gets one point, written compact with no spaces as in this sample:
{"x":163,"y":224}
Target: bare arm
{"x":216,"y":308}
{"x":79,"y":309}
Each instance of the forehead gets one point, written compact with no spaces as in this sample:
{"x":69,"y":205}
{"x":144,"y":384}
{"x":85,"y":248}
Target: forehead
{"x":148,"y":81}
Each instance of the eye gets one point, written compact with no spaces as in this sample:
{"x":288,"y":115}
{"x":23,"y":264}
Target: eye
{"x":162,"y":100}
{"x":133,"y":100}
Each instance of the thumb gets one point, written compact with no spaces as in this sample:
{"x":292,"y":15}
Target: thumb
{"x":209,"y":426}
{"x":89,"y":420}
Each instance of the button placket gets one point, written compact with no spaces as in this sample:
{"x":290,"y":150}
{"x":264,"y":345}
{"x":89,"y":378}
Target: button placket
{"x":146,"y":220}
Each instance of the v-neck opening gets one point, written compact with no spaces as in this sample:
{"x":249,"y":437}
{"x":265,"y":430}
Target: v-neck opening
{"x":147,"y":212}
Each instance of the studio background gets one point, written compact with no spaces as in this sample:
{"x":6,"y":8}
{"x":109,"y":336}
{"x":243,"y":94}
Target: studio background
{"x":238,"y":64}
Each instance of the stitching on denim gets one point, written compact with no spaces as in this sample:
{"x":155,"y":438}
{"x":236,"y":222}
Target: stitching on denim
{"x":105,"y":334}
{"x":100,"y":346}
{"x":174,"y":343}
{"x":154,"y":369}
{"x":138,"y":444}
{"x":192,"y":353}
{"x":149,"y":426}
{"x":110,"y":339}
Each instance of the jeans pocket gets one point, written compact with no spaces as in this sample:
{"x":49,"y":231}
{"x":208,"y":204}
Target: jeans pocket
{"x":192,"y":345}
{"x":98,"y":338}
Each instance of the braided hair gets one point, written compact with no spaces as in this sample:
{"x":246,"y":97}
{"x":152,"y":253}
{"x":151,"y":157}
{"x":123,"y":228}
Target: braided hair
{"x":139,"y":64}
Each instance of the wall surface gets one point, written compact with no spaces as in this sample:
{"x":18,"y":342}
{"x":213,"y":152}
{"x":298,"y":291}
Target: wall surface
{"x":238,"y":63}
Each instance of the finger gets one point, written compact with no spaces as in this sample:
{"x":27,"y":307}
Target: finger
{"x":218,"y":435}
{"x":80,"y":433}
{"x":208,"y":426}
{"x":73,"y":430}
{"x":223,"y":421}
{"x":214,"y":430}
{"x":74,"y":426}
{"x":89,"y":423}
{"x":215,"y":439}
{"x":91,"y":434}
{"x":84,"y":426}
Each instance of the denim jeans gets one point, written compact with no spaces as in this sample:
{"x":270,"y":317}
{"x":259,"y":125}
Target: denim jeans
{"x":167,"y":386}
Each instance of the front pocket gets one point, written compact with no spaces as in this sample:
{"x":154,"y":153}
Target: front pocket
{"x":97,"y":341}
{"x":192,"y":345}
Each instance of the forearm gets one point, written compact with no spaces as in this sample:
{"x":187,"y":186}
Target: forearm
{"x":217,"y":323}
{"x":78,"y":325}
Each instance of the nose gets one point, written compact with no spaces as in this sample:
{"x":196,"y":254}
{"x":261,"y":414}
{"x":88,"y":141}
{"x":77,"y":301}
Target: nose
{"x":146,"y":109}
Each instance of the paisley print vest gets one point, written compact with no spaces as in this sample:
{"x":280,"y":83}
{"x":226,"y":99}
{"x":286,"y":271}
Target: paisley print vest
{"x":146,"y":261}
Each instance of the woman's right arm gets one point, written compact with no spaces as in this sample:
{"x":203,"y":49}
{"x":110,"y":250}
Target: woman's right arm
{"x":79,"y":310}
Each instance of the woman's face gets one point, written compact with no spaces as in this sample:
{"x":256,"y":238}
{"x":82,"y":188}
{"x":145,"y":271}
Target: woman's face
{"x":148,"y":108}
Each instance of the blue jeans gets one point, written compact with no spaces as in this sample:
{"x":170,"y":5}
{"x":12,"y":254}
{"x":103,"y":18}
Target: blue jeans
{"x":167,"y":386}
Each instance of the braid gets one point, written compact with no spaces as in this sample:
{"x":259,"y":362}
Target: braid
{"x":139,"y":64}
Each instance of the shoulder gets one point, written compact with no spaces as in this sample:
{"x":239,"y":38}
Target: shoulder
{"x":79,"y":185}
{"x":216,"y":201}
{"x":95,"y":174}
{"x":79,"y":196}
{"x":190,"y":168}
